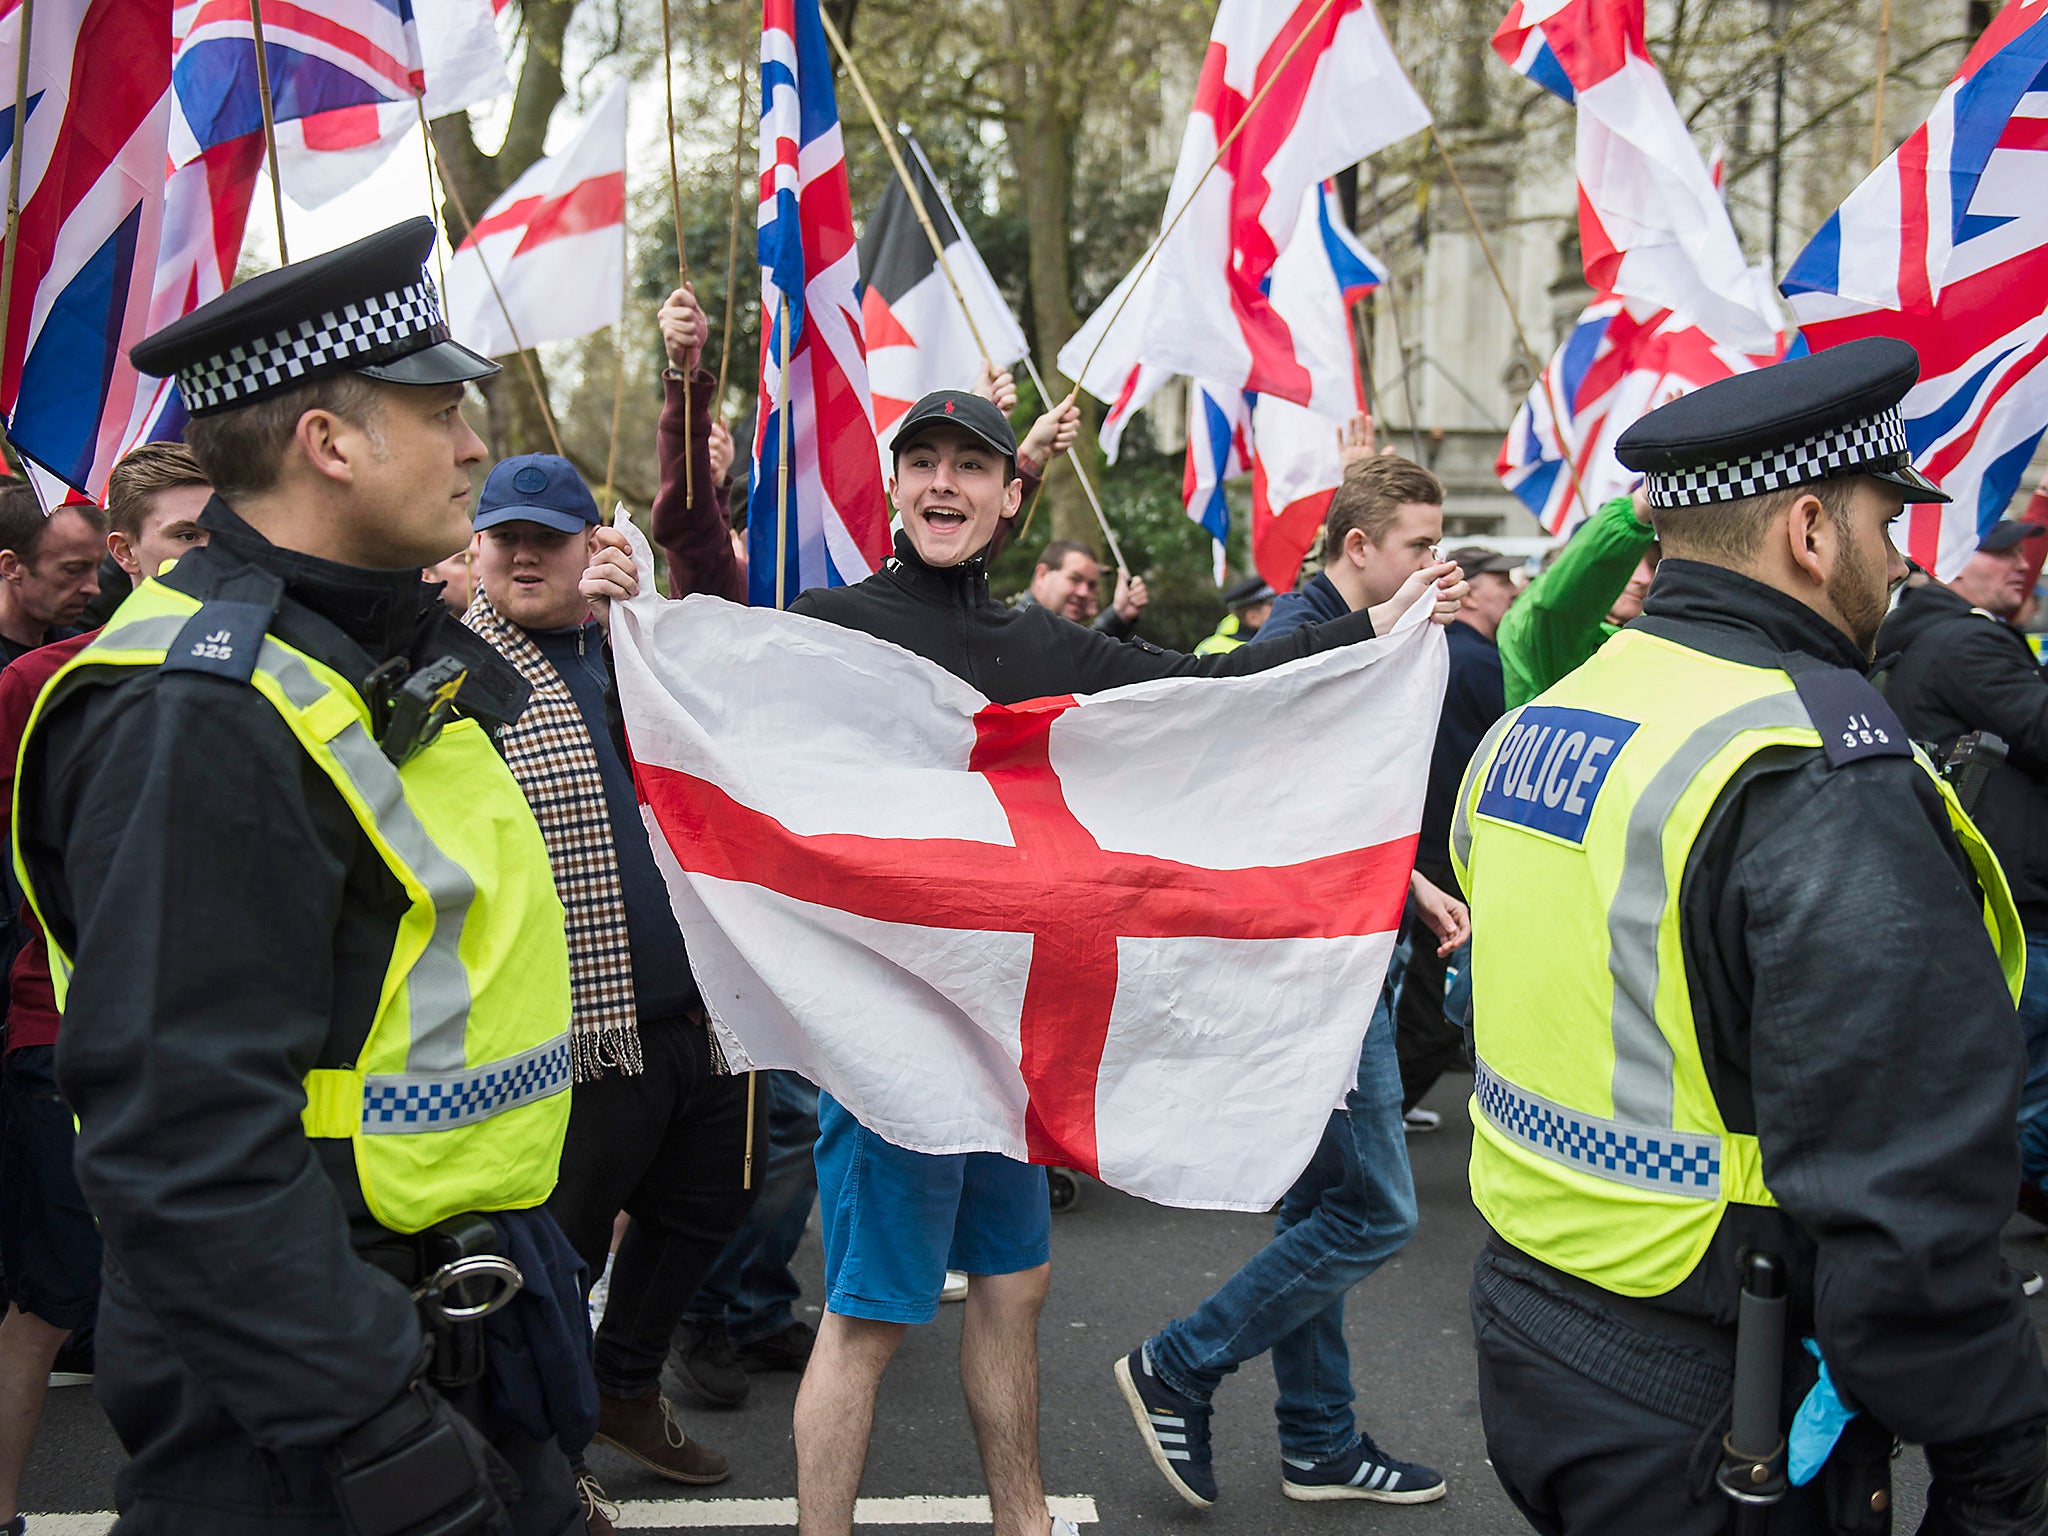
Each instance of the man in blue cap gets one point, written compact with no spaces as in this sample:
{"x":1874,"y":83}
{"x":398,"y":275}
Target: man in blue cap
{"x":315,"y":989}
{"x":1725,"y":924}
{"x":657,"y":1128}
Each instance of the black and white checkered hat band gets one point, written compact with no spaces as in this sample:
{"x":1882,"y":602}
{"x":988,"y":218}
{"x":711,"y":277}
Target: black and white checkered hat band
{"x":370,"y":330}
{"x":1875,"y":442}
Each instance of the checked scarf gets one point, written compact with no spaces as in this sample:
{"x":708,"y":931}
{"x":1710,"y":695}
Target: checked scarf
{"x":548,"y":750}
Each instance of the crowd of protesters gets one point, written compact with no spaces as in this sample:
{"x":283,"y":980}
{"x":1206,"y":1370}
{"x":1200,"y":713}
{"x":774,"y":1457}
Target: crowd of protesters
{"x":685,"y":1190}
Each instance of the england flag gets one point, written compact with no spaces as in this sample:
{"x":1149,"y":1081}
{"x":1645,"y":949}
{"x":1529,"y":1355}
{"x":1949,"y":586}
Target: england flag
{"x":1203,"y":306}
{"x":1009,"y":940}
{"x":1651,"y":222}
{"x":1946,"y":246}
{"x":833,"y":526}
{"x":547,"y":260}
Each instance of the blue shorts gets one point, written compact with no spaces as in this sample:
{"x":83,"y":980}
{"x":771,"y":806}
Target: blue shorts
{"x":895,"y":1221}
{"x":48,"y":1238}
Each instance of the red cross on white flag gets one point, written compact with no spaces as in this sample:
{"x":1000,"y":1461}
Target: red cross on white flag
{"x":1138,"y":933}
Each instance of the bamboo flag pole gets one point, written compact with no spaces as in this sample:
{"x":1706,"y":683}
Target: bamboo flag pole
{"x":1515,"y":318}
{"x":675,"y":203}
{"x":732,"y":249}
{"x":1884,"y":41}
{"x":284,"y":255}
{"x":433,"y":199}
{"x":611,"y":452}
{"x":28,"y":16}
{"x":782,"y":451}
{"x":540,"y":393}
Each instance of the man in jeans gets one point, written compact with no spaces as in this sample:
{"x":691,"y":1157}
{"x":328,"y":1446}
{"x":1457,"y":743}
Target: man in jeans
{"x":1354,"y":1205}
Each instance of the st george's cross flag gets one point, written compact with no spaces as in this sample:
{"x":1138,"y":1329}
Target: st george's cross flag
{"x":1945,"y":246}
{"x":918,"y":337}
{"x":92,"y":141}
{"x":1029,"y":932}
{"x":547,"y":261}
{"x":1652,"y":225}
{"x":1333,"y":93}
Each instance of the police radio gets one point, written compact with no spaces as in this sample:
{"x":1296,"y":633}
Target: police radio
{"x":1969,"y":764}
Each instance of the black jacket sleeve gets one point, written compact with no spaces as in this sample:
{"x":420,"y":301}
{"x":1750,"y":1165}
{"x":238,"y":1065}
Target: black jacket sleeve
{"x":1105,"y":663}
{"x":1991,"y":680}
{"x":195,"y":862}
{"x":1884,"y":1061}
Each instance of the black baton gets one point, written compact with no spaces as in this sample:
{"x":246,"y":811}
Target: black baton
{"x":1753,"y":1454}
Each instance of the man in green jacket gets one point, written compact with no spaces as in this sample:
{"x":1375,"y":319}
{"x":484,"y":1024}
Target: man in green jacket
{"x":1595,"y":586}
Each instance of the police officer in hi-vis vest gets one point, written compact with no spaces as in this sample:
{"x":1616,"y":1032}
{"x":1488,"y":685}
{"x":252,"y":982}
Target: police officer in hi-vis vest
{"x":1743,"y":984}
{"x":313,"y":971}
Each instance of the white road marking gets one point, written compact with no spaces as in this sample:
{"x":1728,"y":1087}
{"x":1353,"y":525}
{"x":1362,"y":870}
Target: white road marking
{"x":715,"y":1514}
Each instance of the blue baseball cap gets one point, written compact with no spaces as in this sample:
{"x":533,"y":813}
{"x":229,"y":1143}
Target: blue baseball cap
{"x":537,"y":488}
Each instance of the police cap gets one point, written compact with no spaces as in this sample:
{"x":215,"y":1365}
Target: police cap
{"x":366,"y":308}
{"x":1252,"y":589}
{"x":1820,"y":417}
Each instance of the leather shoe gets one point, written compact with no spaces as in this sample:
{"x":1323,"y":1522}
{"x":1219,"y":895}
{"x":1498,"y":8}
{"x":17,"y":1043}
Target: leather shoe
{"x":645,"y":1429}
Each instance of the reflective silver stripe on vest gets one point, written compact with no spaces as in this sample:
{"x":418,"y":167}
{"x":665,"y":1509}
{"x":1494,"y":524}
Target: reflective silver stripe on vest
{"x":1461,"y":813}
{"x":1647,"y":1157}
{"x":1643,"y":1064}
{"x":403,"y":1102}
{"x":438,"y":984}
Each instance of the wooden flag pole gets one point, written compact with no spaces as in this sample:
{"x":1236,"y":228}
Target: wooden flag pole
{"x":1884,"y":41}
{"x":675,"y":203}
{"x":1216,"y":159}
{"x":732,"y":249}
{"x":1571,"y":469}
{"x":433,"y":199}
{"x":1087,"y":487}
{"x":782,"y":451}
{"x":284,"y":255}
{"x":28,"y":16}
{"x":525,"y":358}
{"x":611,"y":452}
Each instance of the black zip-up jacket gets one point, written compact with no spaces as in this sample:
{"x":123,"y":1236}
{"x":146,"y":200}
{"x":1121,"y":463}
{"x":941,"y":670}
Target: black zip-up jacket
{"x":1960,"y":670}
{"x":1854,"y":1019}
{"x":231,"y":923}
{"x":1012,"y":654}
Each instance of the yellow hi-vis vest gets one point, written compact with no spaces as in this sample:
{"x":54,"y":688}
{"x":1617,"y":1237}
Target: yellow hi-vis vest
{"x":457,"y":1100}
{"x":1599,"y":1148}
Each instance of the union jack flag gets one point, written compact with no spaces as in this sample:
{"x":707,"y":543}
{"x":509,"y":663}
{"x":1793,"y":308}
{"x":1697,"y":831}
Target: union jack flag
{"x":1621,"y":361}
{"x":92,"y":174}
{"x":1946,"y":246}
{"x":836,"y":529}
{"x":322,"y":56}
{"x":1219,"y":449}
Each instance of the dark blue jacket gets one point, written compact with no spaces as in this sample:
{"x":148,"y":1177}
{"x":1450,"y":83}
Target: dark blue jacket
{"x":1315,"y":603}
{"x":1474,"y":698}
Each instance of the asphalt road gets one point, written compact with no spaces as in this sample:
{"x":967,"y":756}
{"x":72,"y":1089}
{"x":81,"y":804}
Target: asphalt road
{"x":1120,"y":1268}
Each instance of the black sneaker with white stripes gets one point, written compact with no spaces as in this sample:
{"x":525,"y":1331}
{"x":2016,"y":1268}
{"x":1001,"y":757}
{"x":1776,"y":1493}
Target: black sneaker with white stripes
{"x":1363,"y":1472}
{"x":1175,"y":1429}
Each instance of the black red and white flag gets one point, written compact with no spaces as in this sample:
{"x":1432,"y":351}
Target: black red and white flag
{"x":918,"y":336}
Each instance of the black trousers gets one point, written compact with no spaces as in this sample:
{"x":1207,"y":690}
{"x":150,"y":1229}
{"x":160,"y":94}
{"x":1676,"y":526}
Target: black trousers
{"x":193,"y":1471}
{"x":667,"y":1147}
{"x":1596,"y":1428}
{"x":1428,"y":1045}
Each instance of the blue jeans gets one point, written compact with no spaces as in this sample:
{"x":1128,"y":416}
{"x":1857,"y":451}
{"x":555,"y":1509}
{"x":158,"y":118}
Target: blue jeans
{"x":749,"y":1287}
{"x":1350,"y":1211}
{"x":2034,"y":1030}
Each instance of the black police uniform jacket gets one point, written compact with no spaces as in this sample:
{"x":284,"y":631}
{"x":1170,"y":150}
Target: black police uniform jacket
{"x":1852,"y":1015}
{"x":1960,"y":670}
{"x":231,"y":925}
{"x":1011,"y":654}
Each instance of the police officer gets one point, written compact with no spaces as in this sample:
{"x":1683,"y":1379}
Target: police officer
{"x":1743,"y":980}
{"x":312,"y":964}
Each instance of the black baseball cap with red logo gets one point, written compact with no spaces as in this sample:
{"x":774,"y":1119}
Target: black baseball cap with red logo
{"x":976,"y":415}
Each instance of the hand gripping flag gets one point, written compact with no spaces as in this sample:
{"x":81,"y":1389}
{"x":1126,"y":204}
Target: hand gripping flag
{"x":1651,"y":223}
{"x":1203,"y":306}
{"x":1026,"y":933}
{"x":92,"y":189}
{"x":322,"y":54}
{"x":1622,"y":360}
{"x":554,"y":244}
{"x":835,"y":526}
{"x":918,"y":337}
{"x":1946,"y":246}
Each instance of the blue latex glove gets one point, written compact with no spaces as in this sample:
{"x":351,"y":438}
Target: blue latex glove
{"x":1816,"y":1426}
